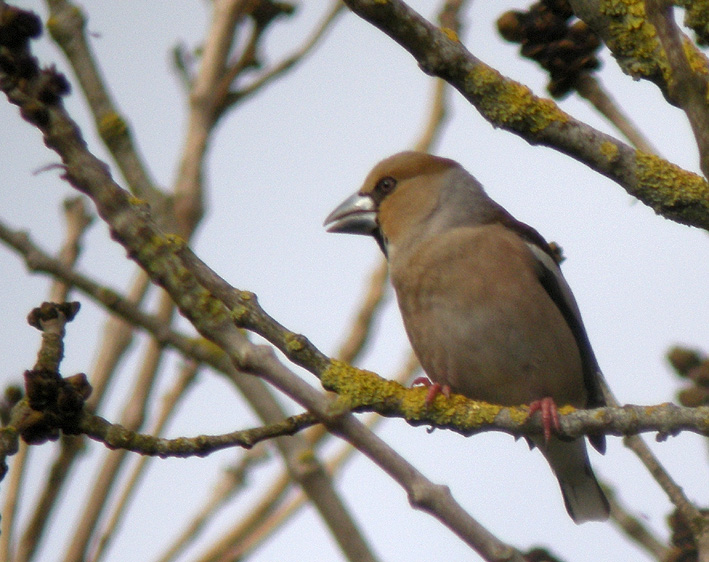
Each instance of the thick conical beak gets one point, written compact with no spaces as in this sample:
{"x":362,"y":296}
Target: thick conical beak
{"x":356,"y":215}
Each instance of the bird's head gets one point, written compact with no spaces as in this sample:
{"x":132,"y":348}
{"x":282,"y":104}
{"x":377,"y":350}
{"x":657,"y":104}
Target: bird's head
{"x":402,"y":195}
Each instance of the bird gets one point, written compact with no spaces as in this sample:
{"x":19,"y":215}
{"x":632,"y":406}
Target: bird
{"x":484,"y":304}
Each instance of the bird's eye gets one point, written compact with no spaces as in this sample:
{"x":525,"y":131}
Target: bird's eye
{"x":385,"y":186}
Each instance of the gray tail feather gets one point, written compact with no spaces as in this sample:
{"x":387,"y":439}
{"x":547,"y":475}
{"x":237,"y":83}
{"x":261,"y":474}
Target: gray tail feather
{"x":583,"y":497}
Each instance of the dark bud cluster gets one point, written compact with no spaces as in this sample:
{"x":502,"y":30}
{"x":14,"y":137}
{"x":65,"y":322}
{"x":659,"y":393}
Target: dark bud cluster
{"x":26,"y":84}
{"x":684,"y":545}
{"x":55,"y":403}
{"x":266,"y":11}
{"x":689,"y":364}
{"x":17,"y":27}
{"x":540,"y":555}
{"x":52,"y":403}
{"x":50,"y":311}
{"x":547,"y":35}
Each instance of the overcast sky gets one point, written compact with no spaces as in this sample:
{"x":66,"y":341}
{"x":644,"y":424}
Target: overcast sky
{"x":276,"y":168}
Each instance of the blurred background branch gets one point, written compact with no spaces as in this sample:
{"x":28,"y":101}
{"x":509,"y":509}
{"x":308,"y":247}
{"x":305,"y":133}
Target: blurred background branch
{"x":231,"y":66}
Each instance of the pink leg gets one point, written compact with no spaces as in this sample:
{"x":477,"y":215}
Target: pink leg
{"x":433,"y":388}
{"x":550,"y":415}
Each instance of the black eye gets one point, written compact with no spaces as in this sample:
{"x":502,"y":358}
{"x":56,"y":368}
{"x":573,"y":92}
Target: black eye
{"x":385,"y":186}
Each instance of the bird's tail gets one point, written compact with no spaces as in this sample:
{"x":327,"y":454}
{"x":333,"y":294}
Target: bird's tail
{"x":584,"y":499}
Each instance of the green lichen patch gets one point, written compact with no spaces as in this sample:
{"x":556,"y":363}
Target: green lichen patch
{"x":363,"y":389}
{"x":633,"y":39}
{"x":451,"y":34}
{"x":508,"y":104}
{"x":672,"y":191}
{"x":610,"y":151}
{"x":112,"y":126}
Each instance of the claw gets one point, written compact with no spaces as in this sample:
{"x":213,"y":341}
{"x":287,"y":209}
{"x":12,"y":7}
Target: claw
{"x":550,"y":415}
{"x":434,"y":388}
{"x":424,"y":381}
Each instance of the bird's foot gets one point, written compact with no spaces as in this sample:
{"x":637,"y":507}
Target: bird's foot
{"x":433,"y":389}
{"x":550,"y":415}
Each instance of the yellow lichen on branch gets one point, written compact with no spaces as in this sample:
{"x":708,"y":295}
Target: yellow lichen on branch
{"x":509,"y":104}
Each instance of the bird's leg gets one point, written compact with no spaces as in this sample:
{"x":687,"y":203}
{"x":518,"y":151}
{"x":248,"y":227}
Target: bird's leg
{"x":550,"y":415}
{"x":433,"y":389}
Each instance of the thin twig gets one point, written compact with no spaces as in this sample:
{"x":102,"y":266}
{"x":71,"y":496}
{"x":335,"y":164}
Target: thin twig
{"x":436,"y":117}
{"x":115,"y":436}
{"x":204,"y":104}
{"x":70,"y":448}
{"x":185,"y":379}
{"x":77,"y":221}
{"x":11,"y":504}
{"x":286,"y":64}
{"x":361,"y":328}
{"x":686,"y":87}
{"x":67,"y":27}
{"x":232,"y":541}
{"x":588,"y":87}
{"x":635,"y":528}
{"x":675,"y":493}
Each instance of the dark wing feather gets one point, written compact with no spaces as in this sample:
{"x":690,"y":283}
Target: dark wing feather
{"x":557,"y":288}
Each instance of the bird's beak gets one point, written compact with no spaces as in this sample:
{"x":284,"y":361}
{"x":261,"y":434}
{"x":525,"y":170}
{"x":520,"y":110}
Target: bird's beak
{"x":355,"y":215}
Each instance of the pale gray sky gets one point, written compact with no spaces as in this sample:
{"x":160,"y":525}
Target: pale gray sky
{"x":277,"y":166}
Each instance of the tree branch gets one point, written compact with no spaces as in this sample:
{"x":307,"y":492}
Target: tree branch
{"x":671,"y":191}
{"x":362,"y":390}
{"x":67,"y":25}
{"x":685,"y":86}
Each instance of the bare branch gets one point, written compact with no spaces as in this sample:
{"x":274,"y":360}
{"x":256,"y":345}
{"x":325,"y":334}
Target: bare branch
{"x":285,"y":65}
{"x":115,"y":436}
{"x":686,"y":87}
{"x":635,"y":528}
{"x":77,"y":221}
{"x":187,"y":376}
{"x":589,"y":88}
{"x":67,"y":26}
{"x":12,"y":504}
{"x":672,"y":192}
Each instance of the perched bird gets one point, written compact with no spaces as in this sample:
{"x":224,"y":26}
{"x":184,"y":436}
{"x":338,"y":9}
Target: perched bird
{"x":485,"y":306}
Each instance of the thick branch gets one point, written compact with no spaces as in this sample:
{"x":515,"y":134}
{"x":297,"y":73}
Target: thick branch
{"x":686,"y":87}
{"x":671,"y":191}
{"x":363,"y":390}
{"x":628,"y":32}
